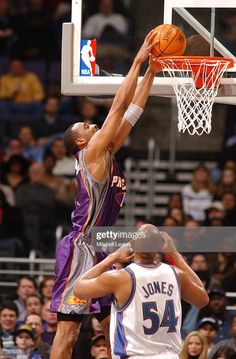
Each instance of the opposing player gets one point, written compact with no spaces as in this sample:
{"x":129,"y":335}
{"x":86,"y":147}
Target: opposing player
{"x":101,"y":191}
{"x":146,"y":312}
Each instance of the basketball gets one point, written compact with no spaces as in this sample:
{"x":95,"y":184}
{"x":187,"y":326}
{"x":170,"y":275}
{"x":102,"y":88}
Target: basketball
{"x":172,"y":41}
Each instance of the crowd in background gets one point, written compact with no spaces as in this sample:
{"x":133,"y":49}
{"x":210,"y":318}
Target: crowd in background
{"x":37,"y":187}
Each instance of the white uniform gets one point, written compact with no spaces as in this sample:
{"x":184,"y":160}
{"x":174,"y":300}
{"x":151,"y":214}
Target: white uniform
{"x":148,"y":324}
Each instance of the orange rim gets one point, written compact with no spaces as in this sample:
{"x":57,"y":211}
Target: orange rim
{"x":197,"y":60}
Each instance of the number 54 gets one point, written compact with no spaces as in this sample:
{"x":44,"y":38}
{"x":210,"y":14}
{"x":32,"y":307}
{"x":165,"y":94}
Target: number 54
{"x":150,"y":312}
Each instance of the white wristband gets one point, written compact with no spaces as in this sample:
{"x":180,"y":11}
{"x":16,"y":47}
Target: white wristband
{"x":133,"y":113}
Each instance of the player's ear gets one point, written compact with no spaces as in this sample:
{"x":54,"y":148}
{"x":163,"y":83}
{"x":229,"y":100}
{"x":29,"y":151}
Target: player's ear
{"x":81,"y":142}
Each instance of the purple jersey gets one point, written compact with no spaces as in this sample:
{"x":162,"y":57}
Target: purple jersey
{"x":97,"y":203}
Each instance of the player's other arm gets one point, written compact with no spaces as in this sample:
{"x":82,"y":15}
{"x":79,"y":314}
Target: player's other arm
{"x":101,"y":140}
{"x":192,"y":289}
{"x":140,"y":99}
{"x":99,"y":281}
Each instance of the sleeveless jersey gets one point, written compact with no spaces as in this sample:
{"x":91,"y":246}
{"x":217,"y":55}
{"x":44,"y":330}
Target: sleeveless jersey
{"x":148,"y":324}
{"x":97,"y":203}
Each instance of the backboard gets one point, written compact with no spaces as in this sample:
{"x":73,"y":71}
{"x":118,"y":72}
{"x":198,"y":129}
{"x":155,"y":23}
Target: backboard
{"x":209,"y":19}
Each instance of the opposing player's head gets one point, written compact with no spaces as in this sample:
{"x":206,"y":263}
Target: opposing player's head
{"x":148,"y":242}
{"x":78,"y":135}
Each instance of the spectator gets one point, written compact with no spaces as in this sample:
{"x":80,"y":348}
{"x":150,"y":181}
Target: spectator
{"x":197,"y":196}
{"x":227,"y":183}
{"x":215,"y":211}
{"x":13,"y":147}
{"x":21,"y":91}
{"x":25,"y":287}
{"x":8,"y":318}
{"x":231,"y":342}
{"x":33,"y":304}
{"x":229,"y":202}
{"x":199,"y":262}
{"x":50,"y":319}
{"x":194,"y":346}
{"x":31,"y":150}
{"x":37,"y":203}
{"x":177,"y":214}
{"x":51,"y":122}
{"x":45,"y":288}
{"x":96,"y":24}
{"x":229,"y":282}
{"x":175,"y":201}
{"x":90,"y":328}
{"x":24,"y":339}
{"x":111,"y":29}
{"x":35,"y":321}
{"x":65,"y":165}
{"x":208,"y":327}
{"x":217,"y":172}
{"x":191,"y":237}
{"x":10,"y":228}
{"x":7,"y":35}
{"x":223,"y":263}
{"x":15,"y":174}
{"x":8,"y":194}
{"x":225,"y":353}
{"x":217,"y":309}
{"x":98,"y":347}
{"x":65,"y":190}
{"x":88,"y":111}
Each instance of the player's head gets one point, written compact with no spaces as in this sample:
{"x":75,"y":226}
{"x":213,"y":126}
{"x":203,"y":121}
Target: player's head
{"x":78,"y":135}
{"x":148,"y":242}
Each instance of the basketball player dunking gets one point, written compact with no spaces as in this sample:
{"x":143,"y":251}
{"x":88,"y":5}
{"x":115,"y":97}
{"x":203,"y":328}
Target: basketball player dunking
{"x":101,"y":191}
{"x":146,"y":311}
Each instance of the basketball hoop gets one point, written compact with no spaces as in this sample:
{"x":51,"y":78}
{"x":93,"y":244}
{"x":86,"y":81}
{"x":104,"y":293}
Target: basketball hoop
{"x":195,"y":81}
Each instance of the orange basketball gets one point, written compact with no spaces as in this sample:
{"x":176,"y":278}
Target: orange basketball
{"x":172,"y":41}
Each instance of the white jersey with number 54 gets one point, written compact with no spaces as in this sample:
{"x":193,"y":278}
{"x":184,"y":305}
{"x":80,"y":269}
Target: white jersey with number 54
{"x":148,"y":324}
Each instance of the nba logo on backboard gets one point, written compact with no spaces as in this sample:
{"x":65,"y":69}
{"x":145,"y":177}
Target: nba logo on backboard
{"x":88,"y":58}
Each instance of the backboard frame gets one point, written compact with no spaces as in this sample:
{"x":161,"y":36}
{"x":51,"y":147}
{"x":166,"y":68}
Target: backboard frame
{"x":73,"y":84}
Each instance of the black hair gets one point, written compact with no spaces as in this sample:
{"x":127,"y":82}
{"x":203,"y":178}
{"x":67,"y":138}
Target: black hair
{"x":69,"y":139}
{"x":9,"y":304}
{"x":225,"y":352}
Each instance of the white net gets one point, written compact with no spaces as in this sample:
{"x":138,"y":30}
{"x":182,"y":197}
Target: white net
{"x":196,"y":85}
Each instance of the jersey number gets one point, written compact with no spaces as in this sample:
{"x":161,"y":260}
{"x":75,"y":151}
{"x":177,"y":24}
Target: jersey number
{"x":150,"y":312}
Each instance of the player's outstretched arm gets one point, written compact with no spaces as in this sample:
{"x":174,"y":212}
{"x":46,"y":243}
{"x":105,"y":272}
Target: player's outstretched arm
{"x":99,"y":281}
{"x":192,"y":289}
{"x":101,"y":140}
{"x":139,"y":101}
